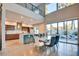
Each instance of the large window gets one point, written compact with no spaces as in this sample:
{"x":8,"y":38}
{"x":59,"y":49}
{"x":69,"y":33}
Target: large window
{"x":63,"y":5}
{"x":61,"y":28}
{"x":36,"y":30}
{"x":48,"y":28}
{"x":68,"y":31}
{"x":72,"y":31}
{"x":51,"y":7}
{"x":54,"y":28}
{"x":49,"y":31}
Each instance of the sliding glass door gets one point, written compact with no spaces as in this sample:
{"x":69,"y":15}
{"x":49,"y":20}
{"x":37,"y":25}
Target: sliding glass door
{"x":68,"y":31}
{"x":62,"y":31}
{"x":72,"y":31}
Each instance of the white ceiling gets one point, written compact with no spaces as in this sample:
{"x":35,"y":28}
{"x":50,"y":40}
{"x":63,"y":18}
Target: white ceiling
{"x":14,"y":17}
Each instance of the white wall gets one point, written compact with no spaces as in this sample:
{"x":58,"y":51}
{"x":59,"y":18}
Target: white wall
{"x":23,"y":11}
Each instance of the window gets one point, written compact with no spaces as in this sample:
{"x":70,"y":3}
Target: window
{"x":68,"y":31}
{"x":36,"y":30}
{"x":63,"y":5}
{"x":61,"y":28}
{"x":48,"y":28}
{"x":54,"y":28}
{"x":51,"y":8}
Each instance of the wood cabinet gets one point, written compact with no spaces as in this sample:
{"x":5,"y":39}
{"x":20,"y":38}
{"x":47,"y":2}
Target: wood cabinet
{"x":10,"y":27}
{"x":26,"y":29}
{"x":12,"y":36}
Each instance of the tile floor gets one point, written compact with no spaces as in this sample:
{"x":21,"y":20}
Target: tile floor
{"x":15,"y":48}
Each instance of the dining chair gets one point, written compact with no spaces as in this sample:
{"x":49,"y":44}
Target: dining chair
{"x":53,"y":42}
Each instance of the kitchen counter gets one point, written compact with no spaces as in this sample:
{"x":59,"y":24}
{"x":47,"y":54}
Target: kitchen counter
{"x":13,"y":34}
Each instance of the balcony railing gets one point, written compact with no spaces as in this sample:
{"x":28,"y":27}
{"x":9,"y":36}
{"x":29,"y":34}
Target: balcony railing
{"x":32,"y":7}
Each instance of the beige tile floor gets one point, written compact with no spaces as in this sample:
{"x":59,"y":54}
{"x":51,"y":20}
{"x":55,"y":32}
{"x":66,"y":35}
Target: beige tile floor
{"x":15,"y":48}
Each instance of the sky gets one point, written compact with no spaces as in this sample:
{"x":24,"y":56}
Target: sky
{"x":51,"y":7}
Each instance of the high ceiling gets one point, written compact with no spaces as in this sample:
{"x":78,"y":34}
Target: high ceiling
{"x":14,"y":17}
